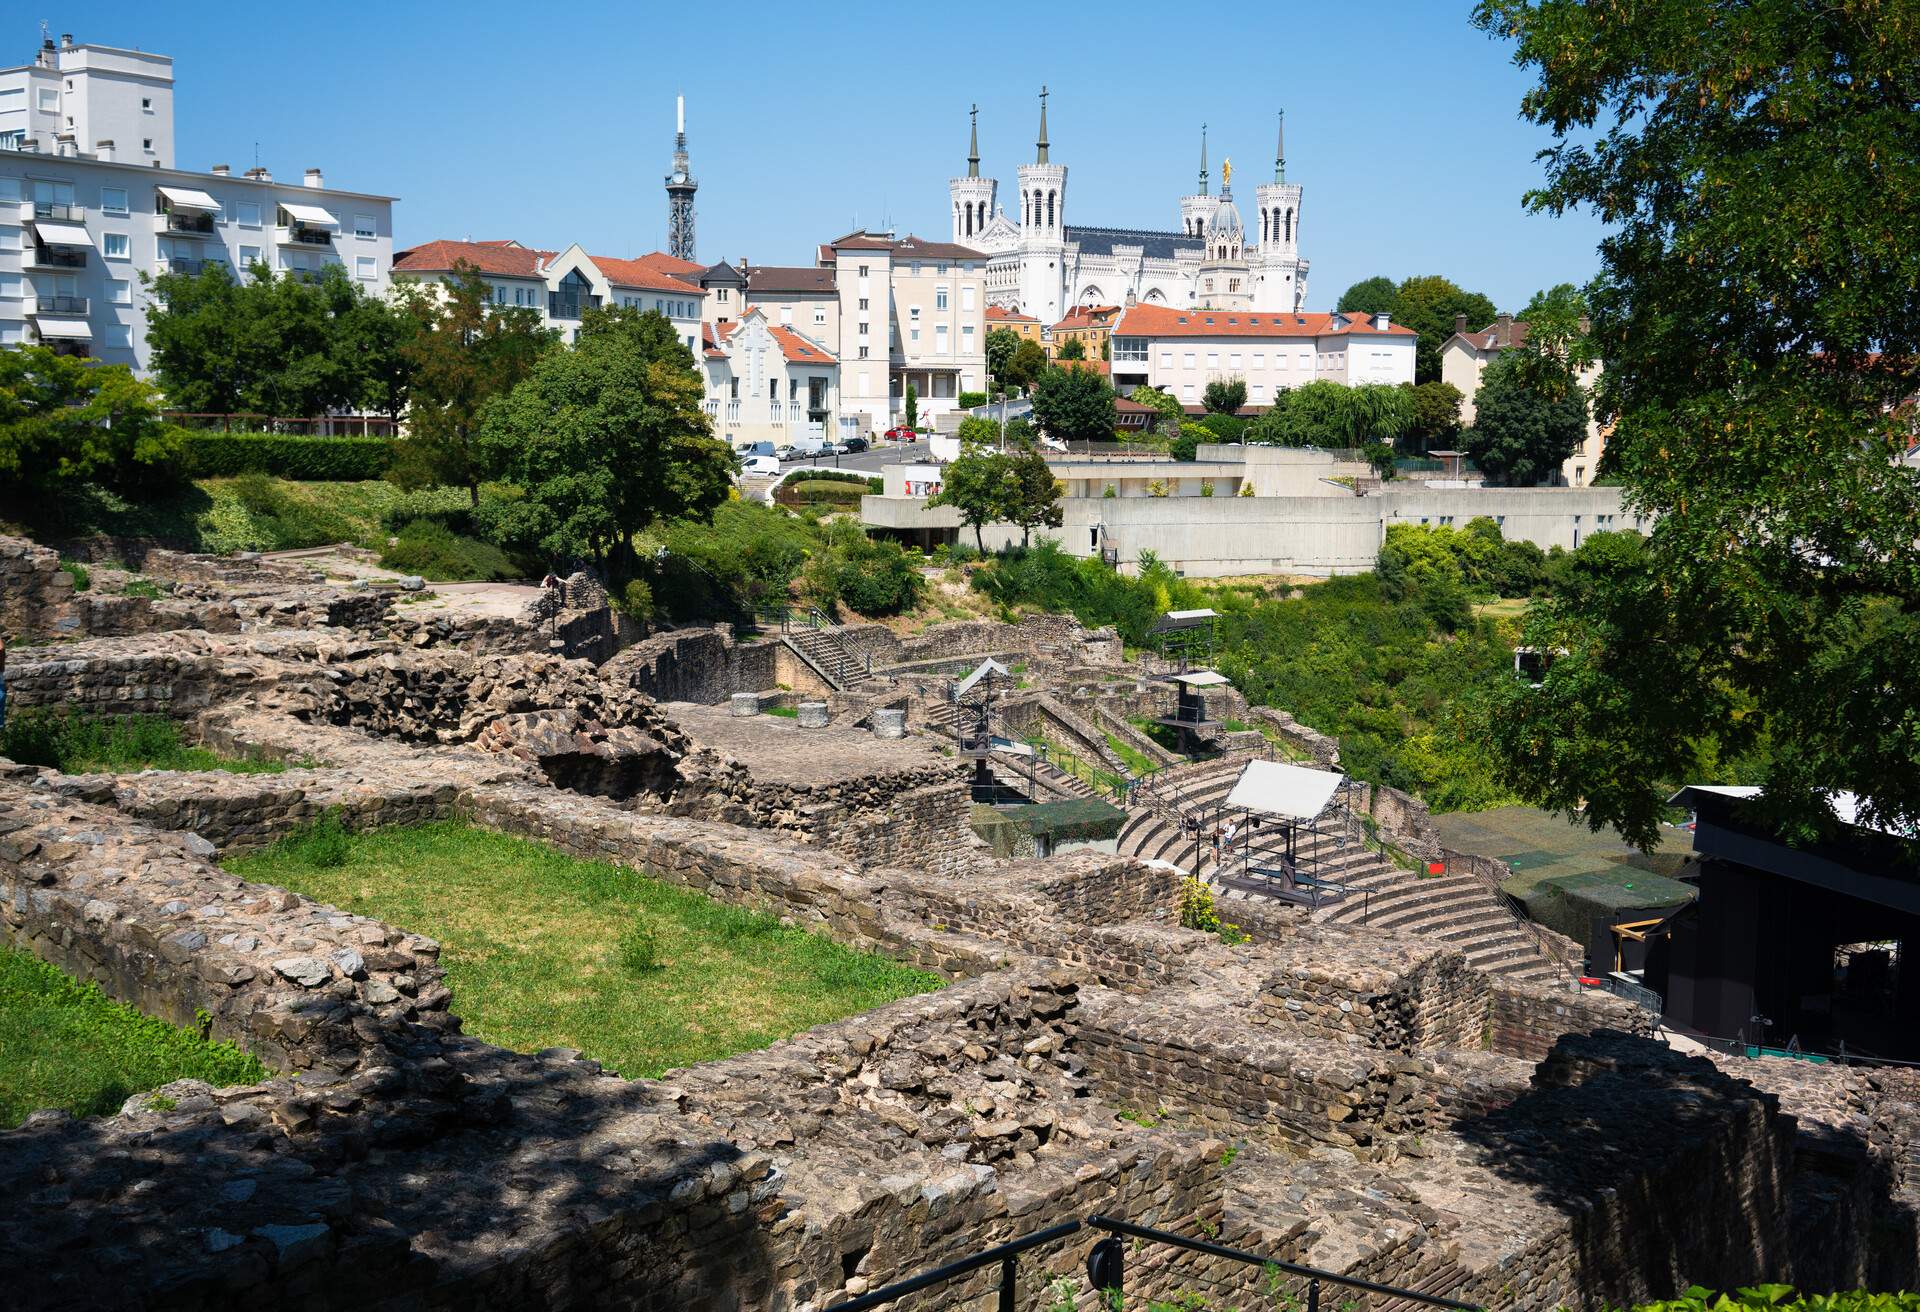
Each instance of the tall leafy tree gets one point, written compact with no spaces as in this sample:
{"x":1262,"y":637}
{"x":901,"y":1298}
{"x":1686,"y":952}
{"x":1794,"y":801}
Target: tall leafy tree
{"x":1224,"y":396}
{"x":1529,"y":416}
{"x":1436,"y":415}
{"x":605,"y":438}
{"x":1758,"y":309}
{"x":1029,"y":361}
{"x":980,"y":485}
{"x":1001,"y":344}
{"x":1561,"y":302}
{"x":1073,"y":349}
{"x":1428,"y":305}
{"x":1370,"y":296}
{"x":1074,"y":405}
{"x":463,"y":352}
{"x":1033,"y":494}
{"x":1329,"y":414}
{"x":1165,"y":404}
{"x":65,"y":421}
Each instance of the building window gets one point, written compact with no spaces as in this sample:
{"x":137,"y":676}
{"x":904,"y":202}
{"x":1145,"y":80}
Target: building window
{"x":940,"y":339}
{"x":720,"y":295}
{"x":114,"y":245}
{"x":119,"y":334}
{"x":863,"y":302}
{"x":113,"y":200}
{"x":249,"y":256}
{"x":913,"y":335}
{"x":1186,"y":391}
{"x":146,"y":104}
{"x":146,"y":144}
{"x":863,"y":271}
{"x":966,"y":298}
{"x":1233,"y":360}
{"x":120,"y":291}
{"x":863,"y":328}
{"x":364,"y":269}
{"x":939,"y":298}
{"x":49,"y":100}
{"x":1166,"y":359}
{"x":966,"y":339}
{"x":1213,"y":359}
{"x":1189,"y":359}
{"x":786,"y":315}
{"x":364,"y":226}
{"x":819,"y":317}
{"x":863,"y":355}
{"x":247,"y":214}
{"x":913,"y":312}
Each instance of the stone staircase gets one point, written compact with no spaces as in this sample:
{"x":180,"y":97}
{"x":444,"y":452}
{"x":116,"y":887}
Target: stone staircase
{"x":948,"y":719}
{"x":1458,"y":910}
{"x":828,"y":655}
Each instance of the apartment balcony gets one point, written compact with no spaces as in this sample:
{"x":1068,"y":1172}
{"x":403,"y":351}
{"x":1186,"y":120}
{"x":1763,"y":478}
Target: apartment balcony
{"x":62,"y":305}
{"x":193,"y":268}
{"x":59,"y":211}
{"x":181,"y":224}
{"x":789,"y":417}
{"x":42,"y":256}
{"x":298,"y":234}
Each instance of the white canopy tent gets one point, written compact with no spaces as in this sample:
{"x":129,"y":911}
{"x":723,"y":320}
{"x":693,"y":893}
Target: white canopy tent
{"x":1289,"y":792}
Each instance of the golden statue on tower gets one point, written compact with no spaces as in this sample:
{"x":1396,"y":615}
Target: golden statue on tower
{"x":1226,"y":173}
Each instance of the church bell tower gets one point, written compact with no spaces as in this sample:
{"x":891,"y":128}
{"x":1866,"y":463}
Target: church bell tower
{"x":972,"y":195}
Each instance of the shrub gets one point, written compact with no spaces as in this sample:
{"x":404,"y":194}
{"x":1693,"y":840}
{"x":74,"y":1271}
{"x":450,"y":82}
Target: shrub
{"x":449,"y":507}
{"x":639,"y":949}
{"x":1225,"y":428}
{"x":82,"y":579}
{"x":636,"y":600}
{"x":433,"y":552}
{"x":873,"y":577}
{"x":322,"y":844}
{"x":968,"y":400}
{"x":310,"y":459}
{"x":253,"y":513}
{"x":1782,"y":1298}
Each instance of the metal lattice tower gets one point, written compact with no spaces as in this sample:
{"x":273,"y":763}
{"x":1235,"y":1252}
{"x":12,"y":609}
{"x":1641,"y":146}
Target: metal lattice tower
{"x":680,"y":189}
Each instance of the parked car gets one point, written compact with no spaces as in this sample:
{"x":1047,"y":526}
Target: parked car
{"x":852,"y":445}
{"x":901,"y":434}
{"x":761,"y":467}
{"x":784,"y":452}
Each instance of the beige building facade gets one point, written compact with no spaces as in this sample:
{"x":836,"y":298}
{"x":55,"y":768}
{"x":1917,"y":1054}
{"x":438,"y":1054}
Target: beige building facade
{"x":1464,"y":360}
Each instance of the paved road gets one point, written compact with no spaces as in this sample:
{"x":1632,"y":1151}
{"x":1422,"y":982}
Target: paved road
{"x":870,"y":460}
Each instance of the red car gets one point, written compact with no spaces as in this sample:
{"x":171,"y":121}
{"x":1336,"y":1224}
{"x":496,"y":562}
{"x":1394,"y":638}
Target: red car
{"x":901,"y":435}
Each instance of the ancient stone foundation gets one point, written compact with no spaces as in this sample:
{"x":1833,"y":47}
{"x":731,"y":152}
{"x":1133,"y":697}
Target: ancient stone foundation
{"x":1364,"y":1101}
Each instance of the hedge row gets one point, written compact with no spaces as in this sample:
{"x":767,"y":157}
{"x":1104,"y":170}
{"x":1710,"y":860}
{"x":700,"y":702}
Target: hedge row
{"x":308,"y":459}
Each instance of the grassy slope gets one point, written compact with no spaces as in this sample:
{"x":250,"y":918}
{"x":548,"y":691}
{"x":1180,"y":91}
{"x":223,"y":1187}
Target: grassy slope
{"x":66,"y":1044}
{"x":530,"y":940}
{"x":124,"y":744}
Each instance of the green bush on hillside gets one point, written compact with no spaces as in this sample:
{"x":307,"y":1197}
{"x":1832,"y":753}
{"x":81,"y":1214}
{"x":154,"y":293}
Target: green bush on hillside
{"x":872,"y":576}
{"x":432,"y":551}
{"x":1782,"y":1298}
{"x":311,"y":459}
{"x":254,"y":513}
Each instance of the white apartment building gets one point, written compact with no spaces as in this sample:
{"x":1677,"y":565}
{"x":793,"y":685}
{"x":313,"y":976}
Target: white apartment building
{"x":768,"y":383}
{"x":1465,"y":358}
{"x":91,"y":199}
{"x":1180,"y":351}
{"x":563,"y":285}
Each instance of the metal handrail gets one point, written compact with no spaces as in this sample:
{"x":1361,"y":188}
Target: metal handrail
{"x":1314,"y":1275}
{"x":1007,"y":1255}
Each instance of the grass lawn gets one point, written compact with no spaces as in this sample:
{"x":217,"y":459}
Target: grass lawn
{"x":66,"y":1044}
{"x":114,"y":744}
{"x":546,"y":950}
{"x":1137,"y":761}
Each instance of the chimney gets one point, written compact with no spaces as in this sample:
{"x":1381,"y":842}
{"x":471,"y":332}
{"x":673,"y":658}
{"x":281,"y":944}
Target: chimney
{"x":64,"y":144}
{"x":314,"y":179}
{"x":1459,"y":323}
{"x":258,"y":174}
{"x":66,"y":40}
{"x":1503,"y":330}
{"x":104,"y":150}
{"x":222,"y":170}
{"x":1382,"y":321}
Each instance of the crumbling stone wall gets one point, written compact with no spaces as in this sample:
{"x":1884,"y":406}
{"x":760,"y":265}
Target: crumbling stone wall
{"x":35,"y":593}
{"x":300,"y":984}
{"x":694,"y":665}
{"x":1396,"y":994}
{"x":1526,"y":1020}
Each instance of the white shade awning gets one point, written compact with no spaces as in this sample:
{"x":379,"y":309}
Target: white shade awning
{"x":1291,"y":792}
{"x":62,"y":234}
{"x":67,"y":329}
{"x":1202,"y":679}
{"x":311,"y":215}
{"x":186,"y":198}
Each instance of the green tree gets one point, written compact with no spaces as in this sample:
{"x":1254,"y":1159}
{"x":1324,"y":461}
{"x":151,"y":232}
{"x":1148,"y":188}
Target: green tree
{"x":1523,"y":428}
{"x":66,"y":421}
{"x":1073,"y":349}
{"x":1165,"y":404}
{"x":913,"y":407}
{"x":1428,"y":305}
{"x":980,"y":486}
{"x":1436,"y":415}
{"x":1373,"y":295}
{"x":1001,"y":344}
{"x":605,"y":438}
{"x":464,"y":351}
{"x":1074,"y":405}
{"x":1330,"y":414}
{"x":1033,"y":494}
{"x":1756,"y":377}
{"x":1028,"y":363}
{"x":1224,"y":396}
{"x":975,"y":431}
{"x":1562,"y":302}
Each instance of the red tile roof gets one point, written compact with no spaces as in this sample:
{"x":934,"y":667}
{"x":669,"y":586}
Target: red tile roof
{"x":1164,"y":321}
{"x":1100,"y":367}
{"x":909,"y":247}
{"x":640,"y":274}
{"x":1088,"y":316}
{"x":507,"y":259}
{"x":1497,"y":336}
{"x":1000,"y":314}
{"x":797,"y":349}
{"x":671,"y":265}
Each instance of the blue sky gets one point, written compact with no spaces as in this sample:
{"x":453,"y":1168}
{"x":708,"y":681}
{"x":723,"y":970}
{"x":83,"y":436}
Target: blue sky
{"x":553,"y":124}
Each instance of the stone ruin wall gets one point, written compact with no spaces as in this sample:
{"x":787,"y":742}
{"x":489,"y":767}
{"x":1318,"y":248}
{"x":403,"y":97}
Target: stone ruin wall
{"x":1404,"y":1135}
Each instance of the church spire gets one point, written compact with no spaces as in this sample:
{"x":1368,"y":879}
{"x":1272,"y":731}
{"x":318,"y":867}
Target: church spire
{"x":1280,"y":151}
{"x":1041,"y":145}
{"x":973,"y":143}
{"x":1203,"y":159}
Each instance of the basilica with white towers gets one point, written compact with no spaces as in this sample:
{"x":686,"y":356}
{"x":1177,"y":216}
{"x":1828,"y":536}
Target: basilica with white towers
{"x":1042,"y":265}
